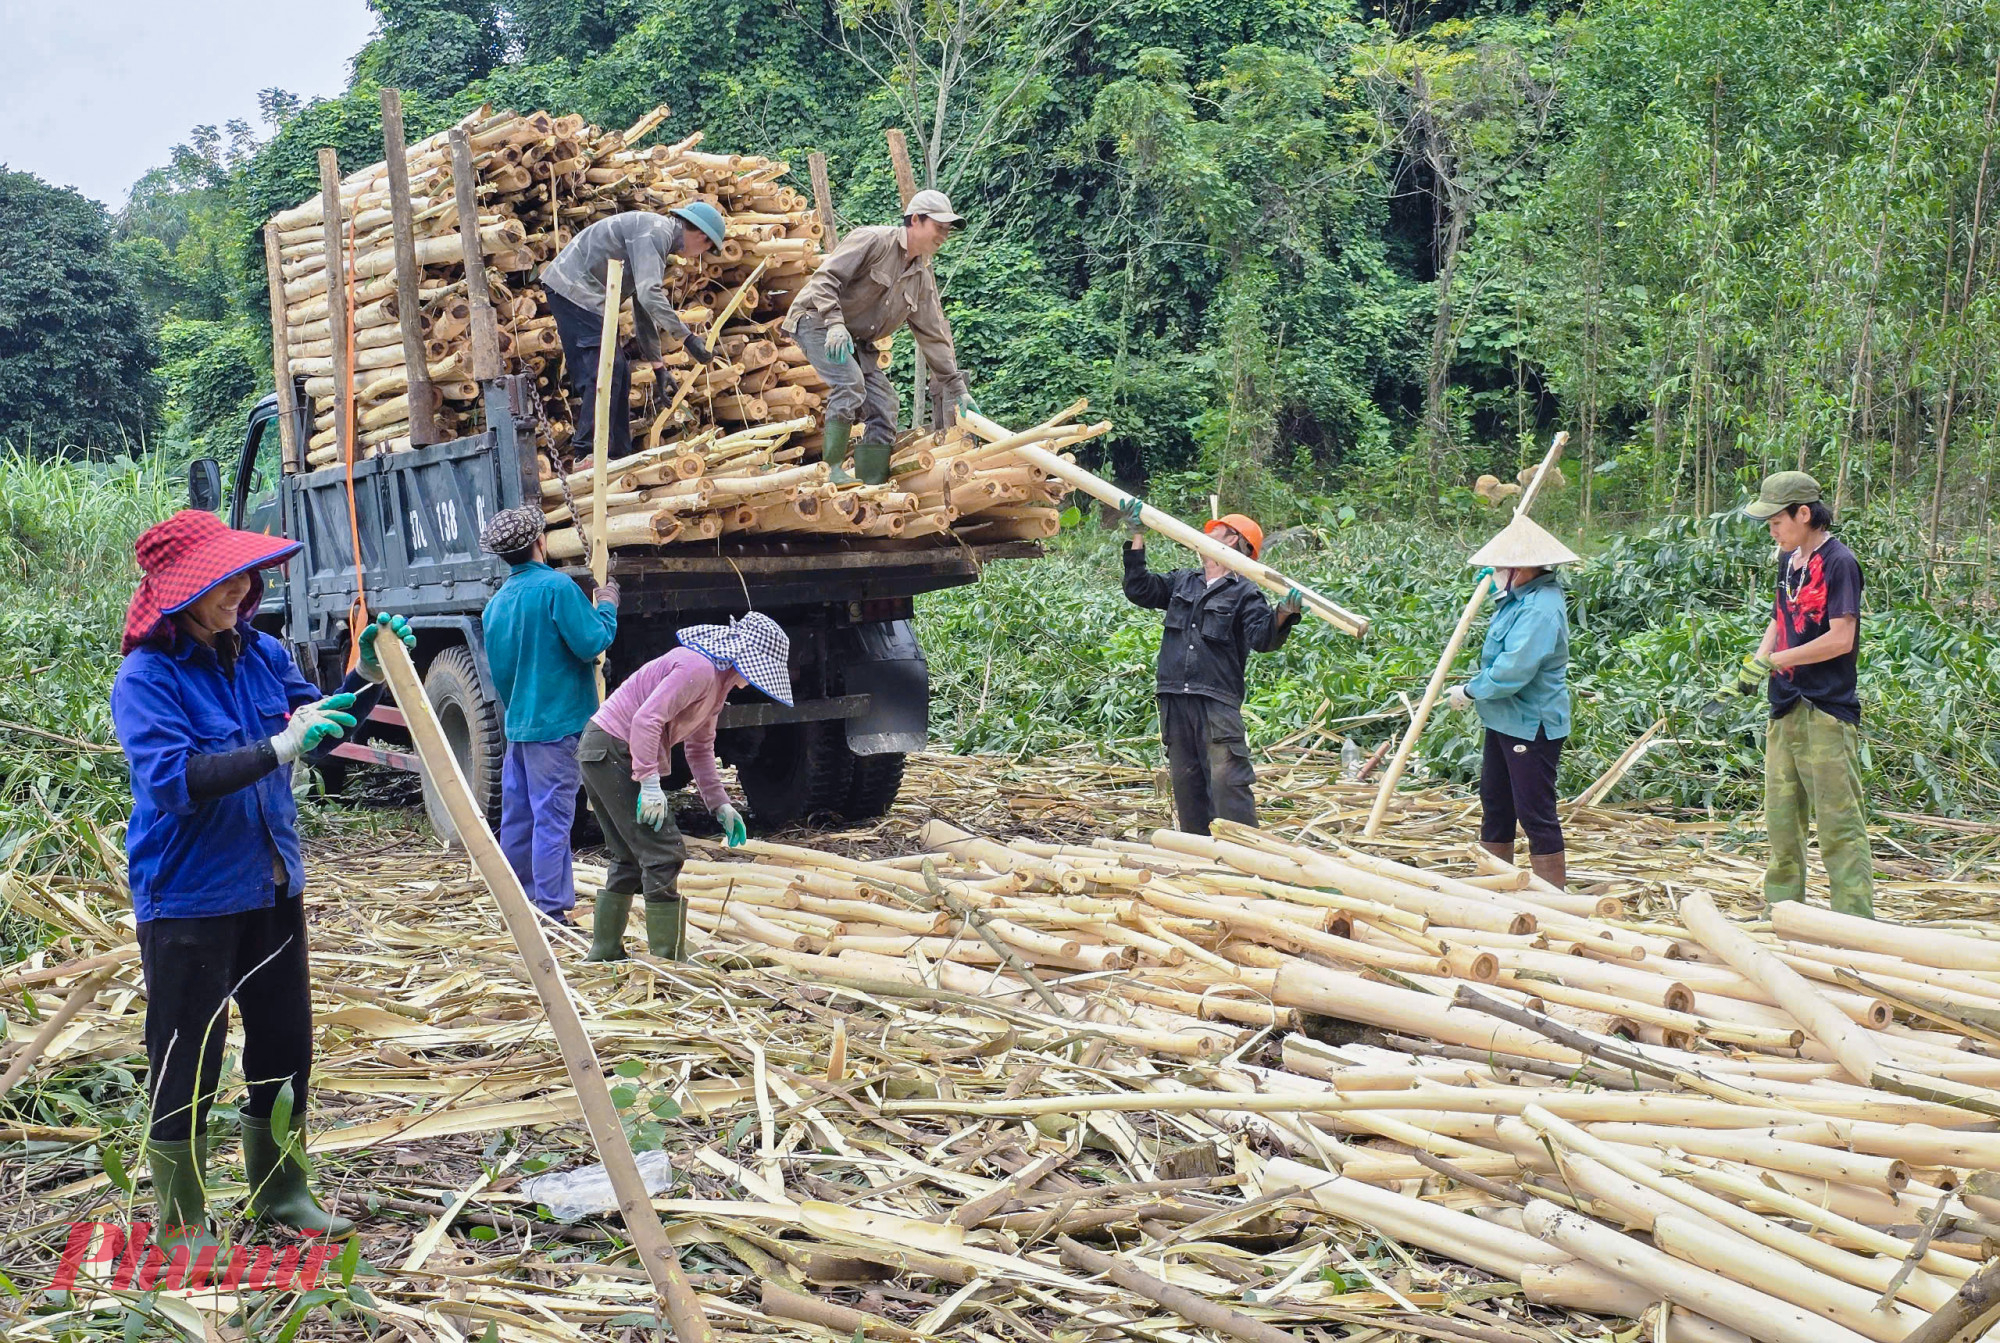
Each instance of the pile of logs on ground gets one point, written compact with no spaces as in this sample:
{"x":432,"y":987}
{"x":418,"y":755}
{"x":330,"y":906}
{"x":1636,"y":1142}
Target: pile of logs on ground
{"x":1785,"y":1131}
{"x":540,"y":179}
{"x":765,"y":479}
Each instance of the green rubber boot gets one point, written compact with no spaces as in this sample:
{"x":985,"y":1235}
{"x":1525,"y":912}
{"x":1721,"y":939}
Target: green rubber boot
{"x":871,"y":461}
{"x":607,"y":926}
{"x":834,"y":450}
{"x":183,"y":1200}
{"x":277,"y":1178}
{"x":666,"y":929}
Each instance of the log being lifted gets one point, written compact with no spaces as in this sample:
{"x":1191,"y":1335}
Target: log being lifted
{"x":1175,"y":530}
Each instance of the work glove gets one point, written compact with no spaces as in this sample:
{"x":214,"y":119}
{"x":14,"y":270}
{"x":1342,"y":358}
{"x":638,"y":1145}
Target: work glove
{"x":1457,"y":698}
{"x":607,"y":593}
{"x":839,"y":345}
{"x":312,"y":724}
{"x":1293,"y":604}
{"x":965,"y":405}
{"x":371,"y":666}
{"x":698,"y":349}
{"x":1751,"y":677}
{"x":1129,"y":510}
{"x":652,"y":808}
{"x":731,"y":821}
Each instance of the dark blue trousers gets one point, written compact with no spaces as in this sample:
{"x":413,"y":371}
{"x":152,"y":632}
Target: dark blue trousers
{"x":538,"y":784}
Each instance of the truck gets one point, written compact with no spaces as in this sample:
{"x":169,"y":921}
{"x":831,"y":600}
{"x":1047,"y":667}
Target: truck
{"x":861,"y":684}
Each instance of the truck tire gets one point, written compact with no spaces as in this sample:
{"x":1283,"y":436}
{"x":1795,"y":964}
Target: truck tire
{"x":877,"y":779}
{"x":801,"y":771}
{"x":471,"y":723}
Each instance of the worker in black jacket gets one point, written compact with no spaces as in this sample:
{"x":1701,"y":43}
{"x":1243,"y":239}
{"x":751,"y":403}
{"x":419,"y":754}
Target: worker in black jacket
{"x":1214,"y":618}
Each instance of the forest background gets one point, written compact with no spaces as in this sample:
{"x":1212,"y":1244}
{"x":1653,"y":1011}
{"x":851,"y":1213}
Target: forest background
{"x":1328,"y":260}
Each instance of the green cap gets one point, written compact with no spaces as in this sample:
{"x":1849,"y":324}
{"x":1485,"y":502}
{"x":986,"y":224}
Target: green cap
{"x":1782,"y":490}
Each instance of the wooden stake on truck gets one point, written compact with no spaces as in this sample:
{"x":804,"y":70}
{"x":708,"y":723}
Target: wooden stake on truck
{"x":422,"y":400}
{"x":336,"y":313}
{"x":1422,"y":715}
{"x":281,"y":358}
{"x":1173,"y":528}
{"x":485,"y":331}
{"x":906,"y":187}
{"x":586,"y":1074}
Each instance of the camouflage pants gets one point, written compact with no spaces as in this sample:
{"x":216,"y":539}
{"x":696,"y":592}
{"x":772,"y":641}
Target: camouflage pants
{"x":1812,"y":772}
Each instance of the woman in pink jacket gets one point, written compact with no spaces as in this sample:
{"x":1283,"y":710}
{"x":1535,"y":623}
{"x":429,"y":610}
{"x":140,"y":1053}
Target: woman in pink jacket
{"x":672,"y":701}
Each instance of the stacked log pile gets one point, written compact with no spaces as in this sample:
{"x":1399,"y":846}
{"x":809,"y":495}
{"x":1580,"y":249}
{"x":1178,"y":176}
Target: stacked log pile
{"x":767,"y":479}
{"x":1780,"y":1130}
{"x":540,"y":180}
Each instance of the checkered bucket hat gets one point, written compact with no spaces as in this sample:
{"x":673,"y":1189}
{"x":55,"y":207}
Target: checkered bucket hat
{"x":755,"y":645}
{"x":184,"y":557}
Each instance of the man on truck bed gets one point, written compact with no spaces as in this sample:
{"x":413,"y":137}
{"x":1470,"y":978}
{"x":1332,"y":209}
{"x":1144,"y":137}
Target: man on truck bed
{"x":878,"y":279}
{"x":575,"y":283}
{"x":1214,"y":618}
{"x":542,"y":641}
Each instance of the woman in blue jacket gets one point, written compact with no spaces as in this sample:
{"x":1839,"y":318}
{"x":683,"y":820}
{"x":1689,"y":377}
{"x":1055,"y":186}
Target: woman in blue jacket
{"x":212,"y":713}
{"x":1522,"y":696}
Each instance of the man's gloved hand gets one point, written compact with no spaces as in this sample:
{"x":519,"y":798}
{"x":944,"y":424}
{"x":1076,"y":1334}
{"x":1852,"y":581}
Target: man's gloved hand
{"x":964,"y":404}
{"x":312,"y":724}
{"x":698,"y":349}
{"x":731,"y":821}
{"x":607,"y":593}
{"x":839,"y":345}
{"x":1293,"y":604}
{"x":1750,"y":678}
{"x":652,"y":808}
{"x":370,"y":665}
{"x":1458,"y":699}
{"x":1129,"y":510}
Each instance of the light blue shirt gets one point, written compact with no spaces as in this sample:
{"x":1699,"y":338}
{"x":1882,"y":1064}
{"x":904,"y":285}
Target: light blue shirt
{"x":1522,"y":686}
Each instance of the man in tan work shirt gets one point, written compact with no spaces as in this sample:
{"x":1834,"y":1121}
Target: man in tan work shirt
{"x":878,"y":279}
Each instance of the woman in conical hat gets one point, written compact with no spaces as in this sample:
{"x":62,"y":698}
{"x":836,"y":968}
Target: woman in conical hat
{"x":1522,"y":695}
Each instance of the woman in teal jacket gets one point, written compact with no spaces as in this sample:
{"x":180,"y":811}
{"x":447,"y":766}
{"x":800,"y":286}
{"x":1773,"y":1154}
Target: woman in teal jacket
{"x":1522,"y":696}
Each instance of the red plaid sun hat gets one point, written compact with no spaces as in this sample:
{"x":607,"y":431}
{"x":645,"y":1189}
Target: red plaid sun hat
{"x":187,"y":555}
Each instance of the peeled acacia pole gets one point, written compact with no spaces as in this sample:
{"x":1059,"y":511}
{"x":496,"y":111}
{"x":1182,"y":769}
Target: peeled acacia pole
{"x":1173,"y":528}
{"x":1431,"y":692}
{"x":656,"y":1251}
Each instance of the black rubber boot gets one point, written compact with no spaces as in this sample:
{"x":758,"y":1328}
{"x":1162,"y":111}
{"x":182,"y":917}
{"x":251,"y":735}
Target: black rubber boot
{"x":666,"y":929}
{"x":182,"y":1197}
{"x":277,"y":1178}
{"x":607,"y":926}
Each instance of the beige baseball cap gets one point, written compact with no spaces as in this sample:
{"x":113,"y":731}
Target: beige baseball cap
{"x":932,"y":205}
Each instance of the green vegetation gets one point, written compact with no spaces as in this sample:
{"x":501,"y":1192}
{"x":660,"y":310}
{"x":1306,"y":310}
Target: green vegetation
{"x":1045,"y":655}
{"x":1297,"y":250}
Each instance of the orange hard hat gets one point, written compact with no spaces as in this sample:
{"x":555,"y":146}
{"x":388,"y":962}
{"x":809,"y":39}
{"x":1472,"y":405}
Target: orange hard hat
{"x":1243,"y":527}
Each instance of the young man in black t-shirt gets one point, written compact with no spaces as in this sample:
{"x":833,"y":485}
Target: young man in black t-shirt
{"x":1812,"y":754}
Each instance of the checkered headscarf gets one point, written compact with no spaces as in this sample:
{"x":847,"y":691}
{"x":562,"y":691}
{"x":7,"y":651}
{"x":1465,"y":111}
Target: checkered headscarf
{"x":512,"y":529}
{"x":756,"y":646}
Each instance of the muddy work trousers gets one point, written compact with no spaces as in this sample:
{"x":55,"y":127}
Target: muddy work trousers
{"x":643,"y":860}
{"x":1812,"y":773}
{"x":1208,"y":757}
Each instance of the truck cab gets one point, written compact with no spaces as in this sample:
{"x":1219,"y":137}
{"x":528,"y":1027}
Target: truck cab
{"x":861,"y":686}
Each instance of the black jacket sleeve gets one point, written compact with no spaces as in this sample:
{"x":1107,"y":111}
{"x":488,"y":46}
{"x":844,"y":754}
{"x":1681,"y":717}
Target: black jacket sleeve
{"x":1143,"y":587}
{"x":1263,"y":630}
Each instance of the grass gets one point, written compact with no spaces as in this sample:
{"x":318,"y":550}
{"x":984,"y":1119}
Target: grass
{"x":1041,"y":656}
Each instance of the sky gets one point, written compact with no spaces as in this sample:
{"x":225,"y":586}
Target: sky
{"x":93,"y":95}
